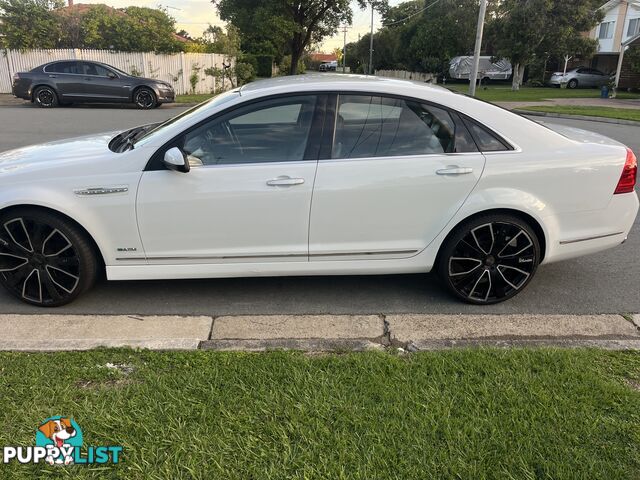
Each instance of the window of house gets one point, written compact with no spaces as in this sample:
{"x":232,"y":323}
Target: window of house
{"x":634,"y":27}
{"x":606,"y":30}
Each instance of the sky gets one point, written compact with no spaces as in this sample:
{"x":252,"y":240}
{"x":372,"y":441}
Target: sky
{"x":194,"y":16}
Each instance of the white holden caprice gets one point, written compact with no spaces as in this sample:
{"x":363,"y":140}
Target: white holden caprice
{"x":314,"y":175}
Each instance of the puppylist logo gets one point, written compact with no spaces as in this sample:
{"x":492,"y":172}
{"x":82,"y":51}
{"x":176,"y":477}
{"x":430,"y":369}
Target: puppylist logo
{"x":59,"y":441}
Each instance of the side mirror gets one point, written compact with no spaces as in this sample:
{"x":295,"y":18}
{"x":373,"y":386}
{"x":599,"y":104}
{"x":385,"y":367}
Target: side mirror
{"x":174,"y":159}
{"x":112,"y":75}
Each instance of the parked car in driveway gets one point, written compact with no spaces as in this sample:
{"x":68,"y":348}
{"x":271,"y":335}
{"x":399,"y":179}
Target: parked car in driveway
{"x":75,"y":81}
{"x":405,"y":178}
{"x":580,"y":77}
{"x":328,"y":66}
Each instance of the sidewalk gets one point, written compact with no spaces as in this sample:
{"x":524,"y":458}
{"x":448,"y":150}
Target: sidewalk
{"x":572,"y":102}
{"x":316,"y":332}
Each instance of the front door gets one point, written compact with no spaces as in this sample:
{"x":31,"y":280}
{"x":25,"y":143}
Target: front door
{"x":248,"y":194}
{"x":399,"y":172}
{"x":102,"y":84}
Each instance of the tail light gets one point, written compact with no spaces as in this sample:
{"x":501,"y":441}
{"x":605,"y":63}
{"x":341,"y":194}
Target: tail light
{"x":627,"y":181}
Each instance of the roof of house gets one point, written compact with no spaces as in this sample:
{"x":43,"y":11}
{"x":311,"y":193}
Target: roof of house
{"x":323,"y":57}
{"x":614,"y":3}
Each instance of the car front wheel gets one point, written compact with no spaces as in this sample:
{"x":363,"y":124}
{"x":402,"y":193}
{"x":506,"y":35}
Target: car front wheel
{"x":573,"y":84}
{"x":45,"y":260}
{"x":489,"y":259}
{"x":144,"y":98}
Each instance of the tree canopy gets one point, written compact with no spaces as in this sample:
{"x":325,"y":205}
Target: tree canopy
{"x":281,"y":27}
{"x":46,"y":24}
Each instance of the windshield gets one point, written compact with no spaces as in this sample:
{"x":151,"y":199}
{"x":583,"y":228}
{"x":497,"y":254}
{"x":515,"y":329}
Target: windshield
{"x":185,"y":117}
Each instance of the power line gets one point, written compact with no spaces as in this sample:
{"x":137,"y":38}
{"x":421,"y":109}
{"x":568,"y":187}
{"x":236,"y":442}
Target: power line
{"x":412,"y":15}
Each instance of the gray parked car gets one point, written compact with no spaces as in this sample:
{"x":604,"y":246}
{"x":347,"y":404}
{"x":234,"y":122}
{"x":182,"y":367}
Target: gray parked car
{"x":74,"y":81}
{"x":580,"y":77}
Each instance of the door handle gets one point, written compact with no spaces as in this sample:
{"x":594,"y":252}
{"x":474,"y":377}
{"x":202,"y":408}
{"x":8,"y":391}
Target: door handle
{"x":285,"y":181}
{"x":53,"y":76}
{"x":454,"y":171}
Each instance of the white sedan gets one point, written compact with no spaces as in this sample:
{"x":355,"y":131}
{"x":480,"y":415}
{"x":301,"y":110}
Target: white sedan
{"x":314,"y":175}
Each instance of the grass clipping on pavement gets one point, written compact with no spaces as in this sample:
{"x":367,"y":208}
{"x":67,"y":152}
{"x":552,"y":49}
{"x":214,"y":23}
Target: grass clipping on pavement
{"x":477,"y":413}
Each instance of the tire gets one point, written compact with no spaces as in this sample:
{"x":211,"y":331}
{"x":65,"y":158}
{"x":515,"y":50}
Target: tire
{"x":145,"y":98}
{"x":45,"y":260}
{"x":572,"y":84}
{"x":489,"y":259}
{"x":45,"y":97}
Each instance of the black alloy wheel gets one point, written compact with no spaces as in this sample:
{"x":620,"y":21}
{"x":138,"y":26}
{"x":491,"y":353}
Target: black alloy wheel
{"x":489,"y":259}
{"x":44,"y":259}
{"x":144,"y":98}
{"x":45,"y":97}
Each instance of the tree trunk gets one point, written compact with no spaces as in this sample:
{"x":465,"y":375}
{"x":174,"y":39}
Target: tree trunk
{"x":296,"y":53}
{"x":518,"y":76}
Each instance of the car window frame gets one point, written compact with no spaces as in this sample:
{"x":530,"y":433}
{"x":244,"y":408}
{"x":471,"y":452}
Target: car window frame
{"x":314,"y":142}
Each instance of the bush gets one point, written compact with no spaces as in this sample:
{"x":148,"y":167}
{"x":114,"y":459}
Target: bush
{"x":251,"y":60}
{"x":264,"y":64}
{"x":244,"y":73}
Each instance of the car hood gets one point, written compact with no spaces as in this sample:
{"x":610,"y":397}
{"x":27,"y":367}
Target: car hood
{"x":58,"y":153}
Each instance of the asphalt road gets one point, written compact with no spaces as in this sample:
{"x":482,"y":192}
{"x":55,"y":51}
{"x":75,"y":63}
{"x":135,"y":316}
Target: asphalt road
{"x":607,"y":282}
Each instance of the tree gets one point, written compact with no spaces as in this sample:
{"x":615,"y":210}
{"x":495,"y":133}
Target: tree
{"x":131,"y":29}
{"x":29,"y":24}
{"x":523,"y":29}
{"x":287,"y":26}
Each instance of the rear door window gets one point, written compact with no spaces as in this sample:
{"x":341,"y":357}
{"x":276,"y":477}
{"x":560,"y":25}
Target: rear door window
{"x":376,"y":126}
{"x":486,"y":140}
{"x":64,"y":67}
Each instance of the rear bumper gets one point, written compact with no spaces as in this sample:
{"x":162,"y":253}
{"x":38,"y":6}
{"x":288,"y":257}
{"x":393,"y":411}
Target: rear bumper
{"x":20,"y":90}
{"x":576,"y":234}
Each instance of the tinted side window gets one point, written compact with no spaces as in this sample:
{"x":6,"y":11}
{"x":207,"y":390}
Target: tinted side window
{"x":94,"y":69}
{"x":372,"y":126}
{"x":485,"y":139}
{"x":64,"y":67}
{"x":269,"y":131}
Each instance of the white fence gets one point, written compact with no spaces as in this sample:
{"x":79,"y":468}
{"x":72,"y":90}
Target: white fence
{"x":175,"y":69}
{"x":405,"y":75}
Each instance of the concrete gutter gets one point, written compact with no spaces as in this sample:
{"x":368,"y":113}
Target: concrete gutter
{"x":614,"y":121}
{"x":316,"y":332}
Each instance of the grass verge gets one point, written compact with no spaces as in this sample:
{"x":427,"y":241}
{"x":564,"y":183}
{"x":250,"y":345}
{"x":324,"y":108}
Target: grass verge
{"x":197,"y":98}
{"x":478,"y":413}
{"x":606,"y":112}
{"x":503,"y":93}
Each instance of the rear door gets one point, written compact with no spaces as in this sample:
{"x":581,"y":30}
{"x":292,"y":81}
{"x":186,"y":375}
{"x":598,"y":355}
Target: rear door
{"x":67,"y":77}
{"x":397,"y":173}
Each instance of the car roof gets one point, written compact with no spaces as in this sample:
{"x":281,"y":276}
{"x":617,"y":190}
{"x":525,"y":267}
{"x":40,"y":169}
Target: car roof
{"x":337,"y":82}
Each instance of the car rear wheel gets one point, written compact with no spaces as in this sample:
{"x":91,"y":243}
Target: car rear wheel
{"x":45,"y":260}
{"x":573,"y":83}
{"x":45,"y":97}
{"x":489,"y":259}
{"x":144,"y":98}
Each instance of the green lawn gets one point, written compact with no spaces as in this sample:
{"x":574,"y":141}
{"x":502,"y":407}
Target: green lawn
{"x":503,"y":93}
{"x":464,"y":414}
{"x":195,"y":98}
{"x":619,"y":113}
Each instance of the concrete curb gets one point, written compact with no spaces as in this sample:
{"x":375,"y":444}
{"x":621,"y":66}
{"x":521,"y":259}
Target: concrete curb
{"x":316,"y":333}
{"x":614,"y":121}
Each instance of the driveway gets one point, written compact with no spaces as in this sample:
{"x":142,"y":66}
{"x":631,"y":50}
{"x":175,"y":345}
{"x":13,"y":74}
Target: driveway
{"x":607,"y":282}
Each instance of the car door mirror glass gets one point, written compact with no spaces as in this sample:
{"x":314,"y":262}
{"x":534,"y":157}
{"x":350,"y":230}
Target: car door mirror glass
{"x":174,"y":159}
{"x":112,"y":75}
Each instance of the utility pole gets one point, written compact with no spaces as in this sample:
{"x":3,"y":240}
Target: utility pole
{"x":344,"y":50}
{"x":371,"y":44}
{"x":476,"y":53}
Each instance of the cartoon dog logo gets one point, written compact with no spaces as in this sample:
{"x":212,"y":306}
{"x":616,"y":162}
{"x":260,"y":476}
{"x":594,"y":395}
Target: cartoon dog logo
{"x":59,"y":431}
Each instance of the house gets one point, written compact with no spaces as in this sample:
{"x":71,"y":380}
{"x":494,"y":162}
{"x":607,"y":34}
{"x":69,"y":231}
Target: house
{"x":620,"y":25}
{"x":323,"y":57}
